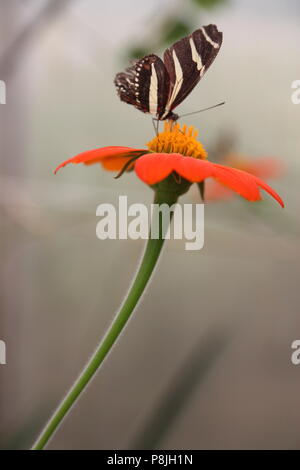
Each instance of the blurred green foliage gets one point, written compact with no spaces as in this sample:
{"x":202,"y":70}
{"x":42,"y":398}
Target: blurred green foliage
{"x":172,"y":27}
{"x":209,"y":3}
{"x":173,"y":30}
{"x":137,"y":52}
{"x":170,"y":31}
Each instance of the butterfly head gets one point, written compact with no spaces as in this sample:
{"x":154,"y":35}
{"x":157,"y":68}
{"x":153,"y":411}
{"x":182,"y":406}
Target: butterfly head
{"x":171,"y":117}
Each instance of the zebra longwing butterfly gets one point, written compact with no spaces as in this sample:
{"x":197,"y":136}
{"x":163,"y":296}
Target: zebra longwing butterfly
{"x":157,"y":87}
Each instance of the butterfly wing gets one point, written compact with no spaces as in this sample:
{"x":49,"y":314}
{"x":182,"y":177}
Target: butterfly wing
{"x":145,"y":85}
{"x":187,"y":61}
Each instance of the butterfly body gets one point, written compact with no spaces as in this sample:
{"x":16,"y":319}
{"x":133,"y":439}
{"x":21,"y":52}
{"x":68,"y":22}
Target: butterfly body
{"x":157,"y":86}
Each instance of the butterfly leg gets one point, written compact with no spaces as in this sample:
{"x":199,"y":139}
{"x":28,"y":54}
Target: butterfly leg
{"x":155,"y":123}
{"x":154,"y":127}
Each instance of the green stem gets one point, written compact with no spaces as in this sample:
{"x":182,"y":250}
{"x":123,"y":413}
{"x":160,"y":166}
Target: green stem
{"x":148,"y":263}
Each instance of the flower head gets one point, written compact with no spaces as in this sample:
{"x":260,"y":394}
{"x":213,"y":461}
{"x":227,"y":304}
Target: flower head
{"x":174,"y":160}
{"x":174,"y":139}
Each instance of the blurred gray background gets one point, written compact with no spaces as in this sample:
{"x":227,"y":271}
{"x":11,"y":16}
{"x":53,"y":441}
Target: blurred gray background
{"x":205,"y":361}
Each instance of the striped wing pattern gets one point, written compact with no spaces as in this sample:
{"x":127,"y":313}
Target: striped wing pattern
{"x":157,"y":87}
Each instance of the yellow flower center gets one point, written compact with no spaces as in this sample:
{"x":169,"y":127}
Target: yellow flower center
{"x":176,"y":139}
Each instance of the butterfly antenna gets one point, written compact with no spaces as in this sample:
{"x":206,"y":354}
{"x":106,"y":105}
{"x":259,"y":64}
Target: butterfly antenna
{"x":201,"y":110}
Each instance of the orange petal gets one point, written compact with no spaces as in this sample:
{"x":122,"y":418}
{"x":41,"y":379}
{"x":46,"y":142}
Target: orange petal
{"x":155,"y":167}
{"x":97,"y":155}
{"x":239,"y":181}
{"x":244,"y":183}
{"x":269,"y":190}
{"x":264,"y":167}
{"x":116,"y":163}
{"x":194,"y":170}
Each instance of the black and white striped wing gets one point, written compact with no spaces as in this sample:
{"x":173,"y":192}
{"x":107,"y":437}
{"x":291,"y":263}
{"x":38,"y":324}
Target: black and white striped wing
{"x":187,"y":61}
{"x":145,"y":85}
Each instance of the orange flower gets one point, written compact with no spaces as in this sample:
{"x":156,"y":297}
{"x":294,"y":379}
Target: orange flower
{"x":175,"y":156}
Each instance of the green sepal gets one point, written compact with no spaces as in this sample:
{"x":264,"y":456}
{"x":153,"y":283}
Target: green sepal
{"x":174,"y":184}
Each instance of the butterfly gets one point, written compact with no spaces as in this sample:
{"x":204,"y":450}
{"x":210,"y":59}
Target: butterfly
{"x":157,"y":87}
